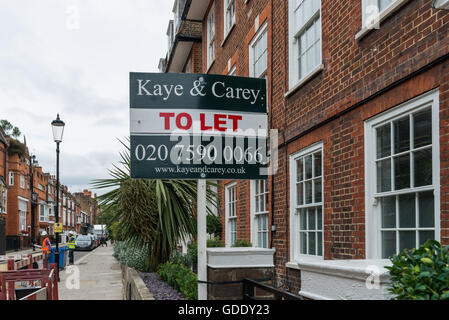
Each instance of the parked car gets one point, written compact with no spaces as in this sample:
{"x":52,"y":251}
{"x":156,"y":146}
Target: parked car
{"x":84,"y":242}
{"x":95,"y":239}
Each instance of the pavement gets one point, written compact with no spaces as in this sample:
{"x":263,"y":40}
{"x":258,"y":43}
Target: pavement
{"x":95,"y":276}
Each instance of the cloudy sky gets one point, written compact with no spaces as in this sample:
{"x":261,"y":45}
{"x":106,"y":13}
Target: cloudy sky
{"x":73,"y":57}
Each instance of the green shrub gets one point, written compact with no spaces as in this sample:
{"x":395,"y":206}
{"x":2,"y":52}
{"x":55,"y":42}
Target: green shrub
{"x":180,"y":278}
{"x":131,"y":255}
{"x":214,"y":243}
{"x":192,"y":250}
{"x":214,"y":226}
{"x":242,"y":243}
{"x":421,"y":274}
{"x":179,"y":258}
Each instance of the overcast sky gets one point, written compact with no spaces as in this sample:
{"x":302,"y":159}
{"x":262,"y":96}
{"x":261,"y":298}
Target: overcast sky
{"x":73,"y":57}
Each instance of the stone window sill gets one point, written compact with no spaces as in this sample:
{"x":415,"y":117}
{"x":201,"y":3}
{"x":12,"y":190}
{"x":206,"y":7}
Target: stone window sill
{"x":304,"y":80}
{"x":227,"y":35}
{"x":384,"y":15}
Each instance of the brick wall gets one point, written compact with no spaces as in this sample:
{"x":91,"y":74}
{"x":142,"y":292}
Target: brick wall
{"x":354,"y":70}
{"x":230,"y":52}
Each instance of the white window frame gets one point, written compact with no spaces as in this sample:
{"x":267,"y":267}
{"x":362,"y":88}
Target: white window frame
{"x":295,"y":80}
{"x":372,"y":207}
{"x":254,"y":227}
{"x":228,"y":202}
{"x":22,"y":181}
{"x":295,"y":254}
{"x":372,"y":16}
{"x":11,"y":178}
{"x":210,"y":36}
{"x":233,"y":71}
{"x":258,"y":36}
{"x":22,"y":214}
{"x":4,"y":200}
{"x":227,"y":8}
{"x":170,"y":35}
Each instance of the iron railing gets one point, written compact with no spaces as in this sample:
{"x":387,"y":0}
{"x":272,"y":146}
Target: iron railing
{"x":249,"y":287}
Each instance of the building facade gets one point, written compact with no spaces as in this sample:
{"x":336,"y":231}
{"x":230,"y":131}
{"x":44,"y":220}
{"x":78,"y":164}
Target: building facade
{"x":359,"y":95}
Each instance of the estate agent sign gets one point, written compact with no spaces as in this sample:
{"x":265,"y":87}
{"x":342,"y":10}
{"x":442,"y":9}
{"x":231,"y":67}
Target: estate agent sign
{"x":196,"y":126}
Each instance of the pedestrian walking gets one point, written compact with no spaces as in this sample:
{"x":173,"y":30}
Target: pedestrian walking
{"x":71,"y":245}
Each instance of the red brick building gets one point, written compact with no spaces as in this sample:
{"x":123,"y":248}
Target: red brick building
{"x":360,"y":97}
{"x":88,"y":206}
{"x":3,"y":189}
{"x":18,"y":217}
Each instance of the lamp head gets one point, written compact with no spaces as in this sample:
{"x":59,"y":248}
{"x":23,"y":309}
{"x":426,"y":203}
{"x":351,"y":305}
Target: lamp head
{"x":58,"y":129}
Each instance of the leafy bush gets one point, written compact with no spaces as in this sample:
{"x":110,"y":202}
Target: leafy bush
{"x":421,"y":274}
{"x":17,"y":147}
{"x":214,"y":226}
{"x":132,"y":255}
{"x":192,"y":250}
{"x":179,"y":258}
{"x":242,"y":243}
{"x":181,"y":278}
{"x":214,"y":243}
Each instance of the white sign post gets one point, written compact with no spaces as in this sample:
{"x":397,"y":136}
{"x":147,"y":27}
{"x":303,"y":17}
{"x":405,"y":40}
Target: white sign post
{"x":202,"y":240}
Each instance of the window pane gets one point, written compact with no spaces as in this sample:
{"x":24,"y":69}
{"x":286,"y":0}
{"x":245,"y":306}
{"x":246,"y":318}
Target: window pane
{"x":299,"y":169}
{"x":311,"y":218}
{"x":308,"y":167}
{"x":317,"y":162}
{"x":383,"y":4}
{"x":257,"y":204}
{"x":303,"y":219}
{"x":388,"y":244}
{"x":426,"y":235}
{"x":407,"y":240}
{"x":318,"y":191}
{"x":422,"y":126}
{"x":402,"y":135}
{"x":423,"y":167}
{"x":426,"y":210}
{"x":300,"y":194}
{"x":407,"y":214}
{"x":303,"y":242}
{"x":312,"y":248}
{"x":388,"y":208}
{"x":383,"y":141}
{"x":402,"y":172}
{"x":320,"y":243}
{"x":384,"y":175}
{"x":308,"y":186}
{"x":319,"y":213}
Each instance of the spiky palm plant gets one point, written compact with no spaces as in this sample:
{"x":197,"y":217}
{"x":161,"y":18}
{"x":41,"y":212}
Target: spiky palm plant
{"x":158,"y":213}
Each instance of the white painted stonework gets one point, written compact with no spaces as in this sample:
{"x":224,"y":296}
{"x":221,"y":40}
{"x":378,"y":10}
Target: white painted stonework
{"x":343,"y":279}
{"x":240,"y":258}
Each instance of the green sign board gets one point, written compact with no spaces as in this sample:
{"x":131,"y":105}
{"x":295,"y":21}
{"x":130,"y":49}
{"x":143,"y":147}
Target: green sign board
{"x":196,"y":126}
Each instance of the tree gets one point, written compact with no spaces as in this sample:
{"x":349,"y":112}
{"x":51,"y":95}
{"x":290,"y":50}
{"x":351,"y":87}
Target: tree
{"x":9,"y":129}
{"x":149,"y":212}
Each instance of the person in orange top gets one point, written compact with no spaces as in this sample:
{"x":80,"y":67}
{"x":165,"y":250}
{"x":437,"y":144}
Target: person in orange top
{"x":46,"y":244}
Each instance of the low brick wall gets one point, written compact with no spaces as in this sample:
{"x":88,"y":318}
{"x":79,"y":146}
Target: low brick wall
{"x":226,"y":285}
{"x":133,"y":286}
{"x":227,"y":267}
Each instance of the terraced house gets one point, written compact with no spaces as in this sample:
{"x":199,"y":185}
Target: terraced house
{"x":360,"y":96}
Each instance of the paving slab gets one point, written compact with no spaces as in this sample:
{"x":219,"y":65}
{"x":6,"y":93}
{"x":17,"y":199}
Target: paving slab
{"x":99,"y":276}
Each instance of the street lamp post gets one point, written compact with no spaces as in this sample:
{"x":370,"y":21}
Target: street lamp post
{"x":58,"y":131}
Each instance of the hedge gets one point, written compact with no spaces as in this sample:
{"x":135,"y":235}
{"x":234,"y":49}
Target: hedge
{"x":181,"y":278}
